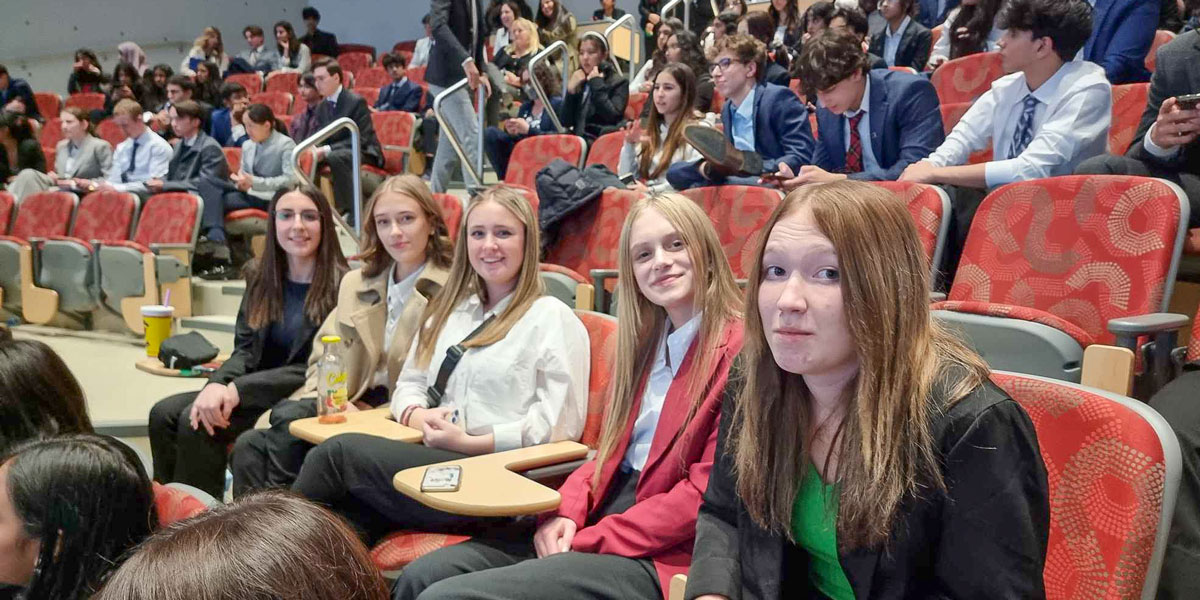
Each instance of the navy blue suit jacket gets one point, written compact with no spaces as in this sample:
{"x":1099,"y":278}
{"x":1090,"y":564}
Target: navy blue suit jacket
{"x":930,"y":17}
{"x":406,"y":97}
{"x":781,"y":129}
{"x":905,"y":121}
{"x":1122,"y":32}
{"x":545,"y":124}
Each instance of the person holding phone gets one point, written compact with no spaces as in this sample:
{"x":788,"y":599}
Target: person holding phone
{"x":650,"y":149}
{"x":532,"y":118}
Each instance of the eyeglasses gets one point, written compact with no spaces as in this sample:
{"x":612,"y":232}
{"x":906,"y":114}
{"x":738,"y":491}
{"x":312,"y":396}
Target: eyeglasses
{"x":722,"y":64}
{"x":287,"y":214}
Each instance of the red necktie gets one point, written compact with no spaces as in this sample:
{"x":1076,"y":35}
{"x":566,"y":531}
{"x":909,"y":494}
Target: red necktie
{"x":854,"y":162}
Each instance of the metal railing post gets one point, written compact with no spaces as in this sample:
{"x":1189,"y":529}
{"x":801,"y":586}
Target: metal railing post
{"x":356,"y":162}
{"x":636,"y":38}
{"x":474,"y":168}
{"x":560,"y":47}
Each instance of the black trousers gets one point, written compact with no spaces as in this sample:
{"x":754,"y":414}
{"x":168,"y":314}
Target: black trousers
{"x":498,"y":145}
{"x":266,"y":458}
{"x":510,"y":570}
{"x":189,"y":455}
{"x":1178,"y":403}
{"x":352,"y":475}
{"x":341,"y":169}
{"x":212,"y":222}
{"x":1110,"y":164}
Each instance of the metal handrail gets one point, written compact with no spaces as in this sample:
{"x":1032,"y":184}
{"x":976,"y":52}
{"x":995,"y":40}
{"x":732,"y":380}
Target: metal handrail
{"x":635,"y":42}
{"x":687,"y":11}
{"x":475,"y":167}
{"x":561,"y":47}
{"x":356,"y":161}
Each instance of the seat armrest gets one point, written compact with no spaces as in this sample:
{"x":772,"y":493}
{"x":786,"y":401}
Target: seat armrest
{"x":157,"y":247}
{"x":1146,"y":324}
{"x":557,"y":472}
{"x":599,"y":276}
{"x":1164,"y":327}
{"x":937,"y":297}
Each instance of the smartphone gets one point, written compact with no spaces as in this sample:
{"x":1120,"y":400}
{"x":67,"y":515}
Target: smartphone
{"x":628,"y":178}
{"x":446,"y":478}
{"x":1188,"y":102}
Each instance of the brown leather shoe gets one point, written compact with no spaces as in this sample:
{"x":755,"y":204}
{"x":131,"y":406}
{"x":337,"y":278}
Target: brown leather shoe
{"x":721,"y":156}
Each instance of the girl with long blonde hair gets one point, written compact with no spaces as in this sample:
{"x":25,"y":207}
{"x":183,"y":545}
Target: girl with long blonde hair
{"x":625,"y":525}
{"x":868,"y":455}
{"x":521,"y":378}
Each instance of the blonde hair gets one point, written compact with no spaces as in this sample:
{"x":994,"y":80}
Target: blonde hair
{"x":640,"y":323}
{"x":438,"y":250}
{"x":910,"y":371}
{"x":464,"y":281}
{"x":535,"y":43}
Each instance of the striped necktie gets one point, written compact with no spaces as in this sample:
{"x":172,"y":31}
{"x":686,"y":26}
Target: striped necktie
{"x":1024,"y":132}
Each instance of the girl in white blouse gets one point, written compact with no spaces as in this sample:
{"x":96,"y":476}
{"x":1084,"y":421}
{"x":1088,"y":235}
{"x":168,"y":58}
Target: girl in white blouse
{"x":651,"y":148}
{"x":963,"y":31}
{"x":522,"y":379}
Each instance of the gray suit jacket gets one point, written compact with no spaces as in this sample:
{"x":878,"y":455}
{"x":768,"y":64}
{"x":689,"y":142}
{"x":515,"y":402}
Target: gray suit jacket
{"x":92,"y":160}
{"x":1177,"y":73}
{"x":270,"y":164}
{"x":268,"y":59}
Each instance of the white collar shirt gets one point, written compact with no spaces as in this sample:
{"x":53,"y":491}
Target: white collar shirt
{"x":672,"y":348}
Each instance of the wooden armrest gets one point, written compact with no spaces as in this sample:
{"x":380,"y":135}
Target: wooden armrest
{"x":377,"y":422}
{"x":1109,"y":368}
{"x":489,"y":487}
{"x":678,"y":585}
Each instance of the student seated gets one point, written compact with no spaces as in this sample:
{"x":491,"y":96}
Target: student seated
{"x":314,"y":116}
{"x":269,"y":545}
{"x":684,"y":47}
{"x":141,"y":157}
{"x":400,"y":94}
{"x":294,"y":57}
{"x":904,"y":41}
{"x":785,"y":15}
{"x":39,"y":397}
{"x":179,"y":88}
{"x":765,"y":124}
{"x":851,"y":21}
{"x":319,"y":42}
{"x":868,"y":448}
{"x":19,"y":148}
{"x":406,"y":251}
{"x":626,"y":522}
{"x":1176,"y":402}
{"x":652,"y":145}
{"x":513,"y":58}
{"x":643,"y":80}
{"x":874,"y":123}
{"x":1043,"y":119}
{"x":266,"y":168}
{"x":70,"y":508}
{"x":532,"y":118}
{"x":289,"y":292}
{"x":16,"y":96}
{"x":208,"y":47}
{"x":154,"y":88}
{"x":86,"y":74}
{"x":555,"y":23}
{"x":1122,"y":33}
{"x":608,"y":11}
{"x":198,"y":164}
{"x":337,"y":150}
{"x":759,"y":26}
{"x":208,"y":83}
{"x":126,"y":83}
{"x":225,"y":125}
{"x":522,"y":380}
{"x":259,"y":57}
{"x":420,"y":57}
{"x":596,"y":93}
{"x":970,"y":28}
{"x":78,"y":158}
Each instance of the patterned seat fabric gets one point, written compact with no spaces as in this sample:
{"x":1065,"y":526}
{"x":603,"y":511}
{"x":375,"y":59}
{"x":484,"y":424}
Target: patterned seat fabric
{"x":739,"y":213}
{"x":1084,"y":249}
{"x":105,"y":216}
{"x":1129,"y":101}
{"x":43,"y":215}
{"x":233,"y":159}
{"x":606,"y":150}
{"x":633,"y":107}
{"x":355,"y":61}
{"x":86,"y":100}
{"x":278,"y":81}
{"x":375,"y":77}
{"x":51,"y":133}
{"x":533,"y":153}
{"x":925,"y":205}
{"x":416,"y":75}
{"x":253,"y":82}
{"x":175,"y":504}
{"x":109,"y":131}
{"x":967,"y":78}
{"x":370,"y":94}
{"x":452,"y":211}
{"x":49,"y":104}
{"x":168,"y":218}
{"x":1106,"y":468}
{"x":1161,"y":37}
{"x":280,"y":103}
{"x":395,"y":129}
{"x":589,"y":237}
{"x":6,"y":208}
{"x":953,"y":113}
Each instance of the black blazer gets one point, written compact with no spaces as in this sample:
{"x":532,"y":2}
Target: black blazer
{"x":257,"y":387}
{"x":321,"y":42}
{"x":605,"y":108}
{"x":914,"y":48}
{"x":1177,"y":73}
{"x":354,"y":106}
{"x":984,"y":538}
{"x":29,"y":156}
{"x":456,"y":37}
{"x":203,"y":160}
{"x":598,"y":15}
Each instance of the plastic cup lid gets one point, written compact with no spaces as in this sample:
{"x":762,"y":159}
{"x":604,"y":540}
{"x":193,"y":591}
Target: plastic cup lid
{"x":157,"y":310}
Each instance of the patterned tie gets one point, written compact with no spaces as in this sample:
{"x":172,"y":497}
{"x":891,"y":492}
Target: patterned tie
{"x":132,"y":162}
{"x":1024,"y":132}
{"x":854,"y":162}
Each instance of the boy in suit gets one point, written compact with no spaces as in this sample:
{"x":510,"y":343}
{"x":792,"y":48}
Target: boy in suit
{"x":319,"y":42}
{"x":1122,"y":32}
{"x":337,"y":151}
{"x":873,"y":123}
{"x":400,"y":94}
{"x":765,"y":124}
{"x":903,"y":42}
{"x":226,"y":123}
{"x":259,"y":58}
{"x":16,"y":96}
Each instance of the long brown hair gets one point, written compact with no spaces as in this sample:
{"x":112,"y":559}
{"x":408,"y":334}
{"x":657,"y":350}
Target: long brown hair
{"x":640,"y":323}
{"x":464,"y":281}
{"x":437,"y":251}
{"x":265,"y":276}
{"x":271,"y":544}
{"x":910,"y":370}
{"x":683,"y":76}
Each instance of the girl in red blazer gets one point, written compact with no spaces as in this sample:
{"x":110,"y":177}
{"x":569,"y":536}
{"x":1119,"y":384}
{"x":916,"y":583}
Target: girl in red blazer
{"x":627,"y":520}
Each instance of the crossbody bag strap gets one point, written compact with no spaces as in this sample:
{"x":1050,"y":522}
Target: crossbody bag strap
{"x":454,"y":354}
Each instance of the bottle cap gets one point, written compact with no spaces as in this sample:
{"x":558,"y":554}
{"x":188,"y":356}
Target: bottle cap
{"x":331,"y":339}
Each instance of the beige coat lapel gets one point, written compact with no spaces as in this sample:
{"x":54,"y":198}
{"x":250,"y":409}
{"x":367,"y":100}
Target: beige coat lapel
{"x":431,"y":281}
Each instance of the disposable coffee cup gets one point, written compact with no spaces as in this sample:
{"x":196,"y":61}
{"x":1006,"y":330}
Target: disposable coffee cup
{"x":157,"y":320}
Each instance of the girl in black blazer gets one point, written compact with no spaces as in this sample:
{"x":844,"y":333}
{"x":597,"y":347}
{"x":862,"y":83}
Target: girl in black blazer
{"x":289,"y":292}
{"x":596,"y":93}
{"x":868,"y":455}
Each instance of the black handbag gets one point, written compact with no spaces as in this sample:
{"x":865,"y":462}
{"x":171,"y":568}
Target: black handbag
{"x":454,"y":354}
{"x":186,"y":350}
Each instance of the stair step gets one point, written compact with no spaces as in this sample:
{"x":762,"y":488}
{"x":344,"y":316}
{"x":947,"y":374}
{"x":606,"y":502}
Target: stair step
{"x":218,"y":329}
{"x":216,"y":297}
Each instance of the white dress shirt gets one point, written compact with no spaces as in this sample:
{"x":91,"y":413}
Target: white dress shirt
{"x":684,"y":152}
{"x":1070,"y":125}
{"x":152,"y":162}
{"x":1155,"y":149}
{"x":398,"y":295}
{"x":864,"y":129}
{"x":673,"y":346}
{"x":742,"y":128}
{"x":891,"y":41}
{"x":420,"y":56}
{"x":529,"y":388}
{"x":942,"y":46}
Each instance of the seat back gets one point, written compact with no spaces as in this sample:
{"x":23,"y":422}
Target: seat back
{"x":739,"y":213}
{"x":1129,"y":101}
{"x":602,"y":340}
{"x":279,"y":81}
{"x":86,"y":100}
{"x":589,"y":237}
{"x":7,"y":202}
{"x":105,"y":216}
{"x":452,"y":212}
{"x":908,"y":70}
{"x":1161,"y":37}
{"x":606,"y":150}
{"x":49,"y":104}
{"x":533,"y":153}
{"x":967,"y":78}
{"x":44,"y":214}
{"x":109,"y":131}
{"x":717,"y":102}
{"x":253,"y":82}
{"x":174,"y":504}
{"x":1083,"y":248}
{"x":416,"y":74}
{"x":355,"y":61}
{"x":51,"y":131}
{"x":930,"y":209}
{"x":351,"y":47}
{"x":280,"y":103}
{"x":1113,"y":466}
{"x":51,"y":153}
{"x":395,"y":130}
{"x":169,"y":218}
{"x":375,"y":77}
{"x":233,"y":158}
{"x":633,"y":107}
{"x":369,"y":94}
{"x":953,"y":113}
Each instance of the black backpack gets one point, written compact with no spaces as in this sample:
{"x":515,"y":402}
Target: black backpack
{"x":563,"y":188}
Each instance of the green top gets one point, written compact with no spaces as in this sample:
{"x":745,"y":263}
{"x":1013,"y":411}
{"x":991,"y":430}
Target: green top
{"x":814,"y":523}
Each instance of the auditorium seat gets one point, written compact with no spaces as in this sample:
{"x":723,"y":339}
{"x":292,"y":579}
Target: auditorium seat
{"x":49,"y":104}
{"x":908,"y":70}
{"x":967,"y":78}
{"x":416,"y":75}
{"x":369,"y":94}
{"x":109,"y":131}
{"x":51,"y":132}
{"x":280,"y":103}
{"x":253,"y":82}
{"x":376,"y":77}
{"x":395,"y":130}
{"x":533,"y":153}
{"x":37,"y":216}
{"x":86,"y":100}
{"x":452,"y":212}
{"x":343,"y":49}
{"x":1049,"y":263}
{"x":588,"y":240}
{"x":606,"y":150}
{"x":7,"y":202}
{"x":1129,"y":102}
{"x":177,"y":501}
{"x":930,"y":208}
{"x":355,"y":61}
{"x":1162,"y":36}
{"x":739,"y":213}
{"x":951,"y":114}
{"x":279,"y":81}
{"x":233,"y":159}
{"x":633,"y":107}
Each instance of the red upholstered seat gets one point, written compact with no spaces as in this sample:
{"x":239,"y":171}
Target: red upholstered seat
{"x":109,"y":131}
{"x":279,"y":81}
{"x":533,"y":153}
{"x":395,"y":130}
{"x":452,"y":211}
{"x":1112,"y":465}
{"x":1162,"y":36}
{"x":6,"y":211}
{"x":1129,"y":101}
{"x":375,"y":77}
{"x":928,"y":206}
{"x":169,"y":218}
{"x":86,"y":100}
{"x":739,"y":213}
{"x":280,"y":103}
{"x":233,"y":159}
{"x":951,"y":114}
{"x":589,"y":237}
{"x":49,"y":104}
{"x":633,"y":107}
{"x":369,"y":94}
{"x":51,"y":132}
{"x":105,"y":216}
{"x":967,"y":78}
{"x":416,"y":74}
{"x":355,"y":61}
{"x":606,"y":150}
{"x":44,"y":214}
{"x":352,"y":47}
{"x":174,"y":504}
{"x":253,"y":82}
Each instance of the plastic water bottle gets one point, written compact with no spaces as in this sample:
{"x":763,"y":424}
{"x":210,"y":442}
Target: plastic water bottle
{"x":332,"y":395}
